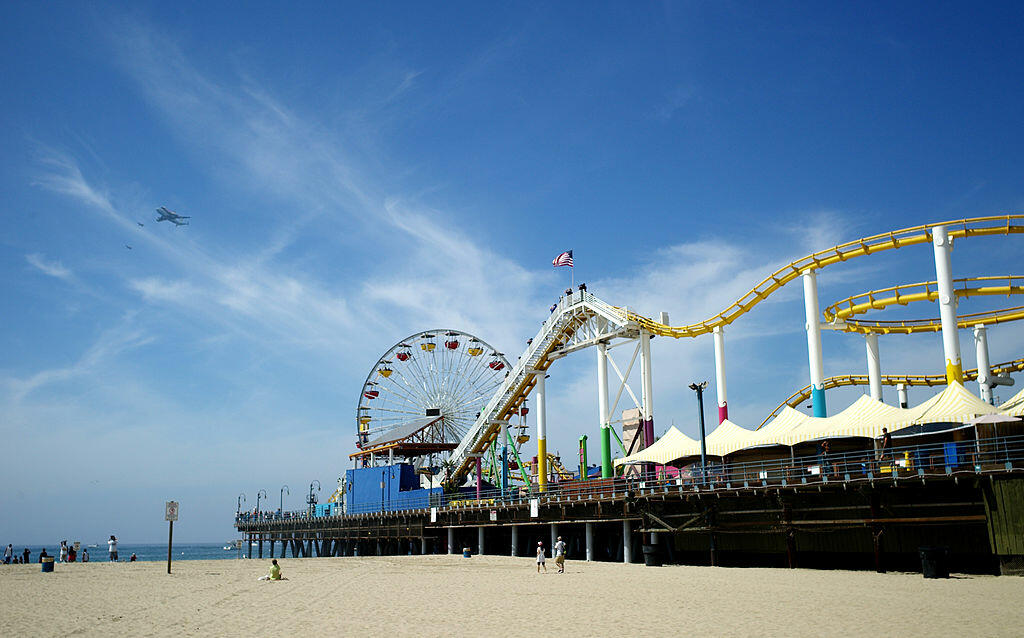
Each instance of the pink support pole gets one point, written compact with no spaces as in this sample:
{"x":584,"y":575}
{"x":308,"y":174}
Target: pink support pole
{"x":479,"y":477}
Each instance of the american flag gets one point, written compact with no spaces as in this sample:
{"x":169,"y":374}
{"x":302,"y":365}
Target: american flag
{"x":565,"y":259}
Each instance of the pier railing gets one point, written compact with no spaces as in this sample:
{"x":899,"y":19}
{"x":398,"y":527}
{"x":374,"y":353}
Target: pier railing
{"x":954,"y":458}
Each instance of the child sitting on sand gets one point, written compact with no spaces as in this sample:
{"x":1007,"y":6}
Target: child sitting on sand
{"x":275,"y":572}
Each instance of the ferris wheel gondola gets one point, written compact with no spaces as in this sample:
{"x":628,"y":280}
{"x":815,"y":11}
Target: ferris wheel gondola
{"x":442,"y":389}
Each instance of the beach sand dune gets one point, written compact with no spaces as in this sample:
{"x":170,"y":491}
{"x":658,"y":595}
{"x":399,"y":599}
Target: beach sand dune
{"x":493,"y":596}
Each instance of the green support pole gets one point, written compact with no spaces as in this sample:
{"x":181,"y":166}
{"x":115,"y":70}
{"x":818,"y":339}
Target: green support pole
{"x":607,"y":471}
{"x":515,"y":453}
{"x":583,"y":457}
{"x":618,"y":440}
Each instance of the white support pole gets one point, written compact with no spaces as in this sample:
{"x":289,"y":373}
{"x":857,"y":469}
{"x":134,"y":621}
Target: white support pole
{"x":647,"y":398}
{"x":901,"y":390}
{"x":943,"y":246}
{"x":590,"y":541}
{"x":813,"y":325}
{"x":647,"y":386}
{"x":984,"y":368}
{"x":542,"y":432}
{"x":723,"y":403}
{"x":451,"y":540}
{"x":874,"y":366}
{"x":423,"y":545}
{"x":627,"y":542}
{"x":480,"y":540}
{"x":515,"y":540}
{"x":554,"y":539}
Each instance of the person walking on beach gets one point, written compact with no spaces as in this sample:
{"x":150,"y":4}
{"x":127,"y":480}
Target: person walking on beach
{"x":8,"y":553}
{"x":540,"y":558}
{"x":112,"y":548}
{"x":63,"y":552}
{"x":560,"y":555}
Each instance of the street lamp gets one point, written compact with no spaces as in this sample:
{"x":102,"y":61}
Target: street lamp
{"x":241,"y":499}
{"x":699,"y":389}
{"x":311,"y":499}
{"x":260,"y":493}
{"x":284,"y":488}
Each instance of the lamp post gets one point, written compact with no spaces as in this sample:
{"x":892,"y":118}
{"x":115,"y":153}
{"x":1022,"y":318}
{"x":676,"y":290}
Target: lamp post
{"x":699,"y":389}
{"x":284,"y":488}
{"x":311,"y":499}
{"x":260,"y":493}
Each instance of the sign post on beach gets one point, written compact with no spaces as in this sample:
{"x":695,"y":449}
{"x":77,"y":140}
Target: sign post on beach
{"x":170,"y":515}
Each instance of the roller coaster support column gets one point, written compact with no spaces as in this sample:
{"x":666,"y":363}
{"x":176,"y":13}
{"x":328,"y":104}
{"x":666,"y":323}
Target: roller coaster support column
{"x":647,"y":399}
{"x":542,"y":433}
{"x":812,"y":313}
{"x":901,"y":390}
{"x":479,"y":475}
{"x":984,"y":370}
{"x":504,"y":457}
{"x":607,"y":471}
{"x":943,"y":246}
{"x":874,"y":366}
{"x":723,"y":405}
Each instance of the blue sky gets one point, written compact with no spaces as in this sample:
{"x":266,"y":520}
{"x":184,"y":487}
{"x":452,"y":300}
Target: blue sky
{"x":355,"y":174}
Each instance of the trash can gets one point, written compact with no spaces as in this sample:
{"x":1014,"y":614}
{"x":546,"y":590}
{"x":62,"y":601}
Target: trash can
{"x":652,"y":557}
{"x":934,"y":562}
{"x":466,"y":552}
{"x":47,"y":564}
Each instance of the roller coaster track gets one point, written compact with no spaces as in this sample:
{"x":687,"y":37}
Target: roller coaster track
{"x":841,"y":314}
{"x":972,"y":227}
{"x":929,"y":380}
{"x":574,"y":311}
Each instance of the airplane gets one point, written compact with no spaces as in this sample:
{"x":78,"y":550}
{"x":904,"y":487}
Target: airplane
{"x":171,"y":216}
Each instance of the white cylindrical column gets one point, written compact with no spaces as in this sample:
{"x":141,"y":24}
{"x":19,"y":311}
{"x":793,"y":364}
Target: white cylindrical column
{"x":554,"y":539}
{"x":874,"y":366}
{"x":542,"y":433}
{"x":423,"y":545}
{"x":590,"y":541}
{"x":480,"y":540}
{"x":723,"y":404}
{"x":627,"y":542}
{"x":451,"y":540}
{"x":647,"y":388}
{"x":901,"y":390}
{"x":603,"y":410}
{"x":943,"y":246}
{"x":984,"y":368}
{"x":814,"y":359}
{"x":515,"y":540}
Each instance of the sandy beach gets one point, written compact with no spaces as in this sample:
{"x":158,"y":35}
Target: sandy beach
{"x":448,"y":595}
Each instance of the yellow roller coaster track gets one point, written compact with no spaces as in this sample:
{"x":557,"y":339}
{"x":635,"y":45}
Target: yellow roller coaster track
{"x":842,"y":313}
{"x":929,"y":380}
{"x":972,"y":227}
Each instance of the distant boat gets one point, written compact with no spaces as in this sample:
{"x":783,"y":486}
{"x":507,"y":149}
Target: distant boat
{"x":234,"y":545}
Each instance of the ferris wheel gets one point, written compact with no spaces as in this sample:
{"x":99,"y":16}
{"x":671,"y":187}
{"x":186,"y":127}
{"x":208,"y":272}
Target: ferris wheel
{"x":446,"y":374}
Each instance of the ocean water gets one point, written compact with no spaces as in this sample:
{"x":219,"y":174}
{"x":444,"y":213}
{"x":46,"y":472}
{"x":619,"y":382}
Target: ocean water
{"x":183,"y":551}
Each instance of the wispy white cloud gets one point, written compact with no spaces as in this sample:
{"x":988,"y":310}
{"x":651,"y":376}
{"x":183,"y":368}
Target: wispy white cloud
{"x":51,"y":268}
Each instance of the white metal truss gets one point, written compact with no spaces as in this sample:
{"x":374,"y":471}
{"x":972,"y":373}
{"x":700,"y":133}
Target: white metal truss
{"x":579,"y":320}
